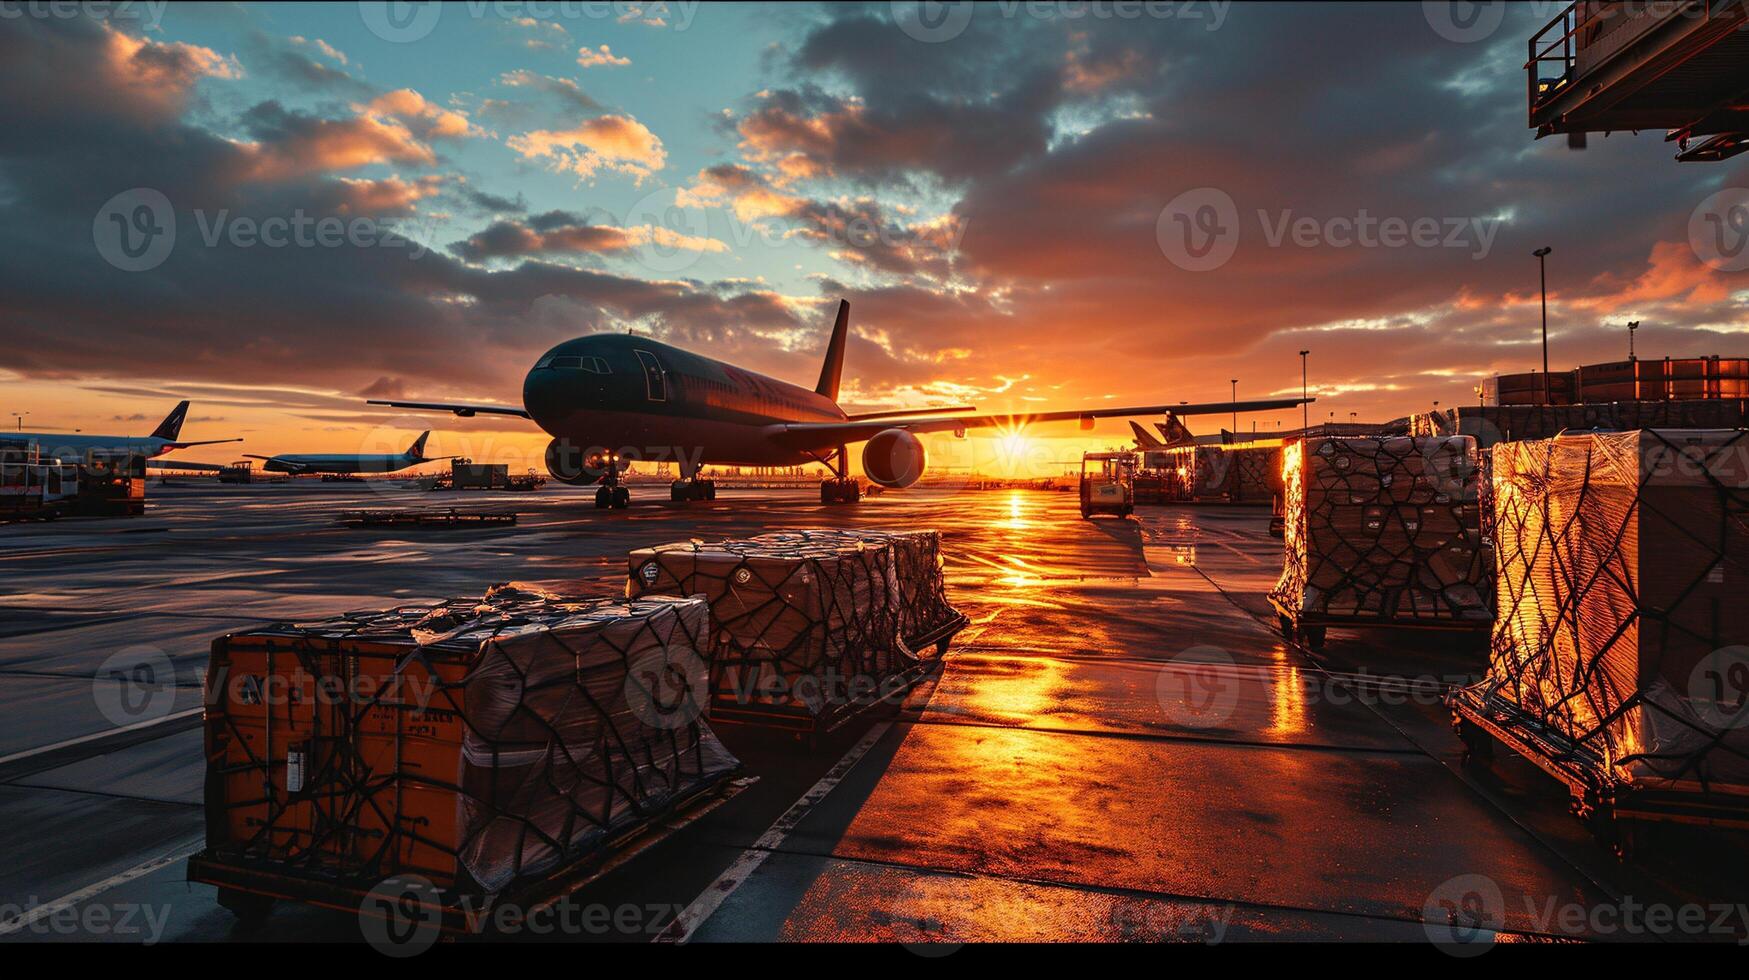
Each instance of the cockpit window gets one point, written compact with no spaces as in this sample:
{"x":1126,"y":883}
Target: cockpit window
{"x":593,"y":365}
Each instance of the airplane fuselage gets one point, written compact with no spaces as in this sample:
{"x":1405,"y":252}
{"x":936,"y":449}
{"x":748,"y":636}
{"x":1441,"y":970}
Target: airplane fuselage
{"x":72,"y":447}
{"x":642,"y":399}
{"x":340,"y":465}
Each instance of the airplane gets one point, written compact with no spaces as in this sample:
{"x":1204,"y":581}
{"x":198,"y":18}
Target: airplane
{"x":348,"y":465}
{"x":630,"y":398}
{"x":72,"y":446}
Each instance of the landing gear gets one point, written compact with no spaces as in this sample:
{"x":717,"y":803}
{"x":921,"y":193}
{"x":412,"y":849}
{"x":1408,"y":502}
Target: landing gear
{"x":840,"y":489}
{"x":685,"y":490}
{"x":612,"y":493}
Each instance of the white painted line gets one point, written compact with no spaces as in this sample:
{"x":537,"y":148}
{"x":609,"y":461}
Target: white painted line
{"x":712,"y":898}
{"x":94,"y":736}
{"x":38,"y":912}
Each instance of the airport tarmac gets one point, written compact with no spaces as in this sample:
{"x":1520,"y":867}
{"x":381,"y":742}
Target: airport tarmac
{"x":1118,"y":747}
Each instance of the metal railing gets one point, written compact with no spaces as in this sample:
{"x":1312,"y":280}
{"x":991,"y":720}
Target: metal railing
{"x":1587,"y":33}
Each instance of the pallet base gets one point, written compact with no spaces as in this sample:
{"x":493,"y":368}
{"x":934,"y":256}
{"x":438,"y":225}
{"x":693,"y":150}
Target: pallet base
{"x":1603,"y":804}
{"x":250,"y":887}
{"x":805,"y":723}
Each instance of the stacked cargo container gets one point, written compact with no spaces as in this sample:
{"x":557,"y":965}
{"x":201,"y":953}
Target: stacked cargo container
{"x":1381,"y":532}
{"x":1615,"y":660}
{"x":808,"y":627}
{"x":482,"y":743}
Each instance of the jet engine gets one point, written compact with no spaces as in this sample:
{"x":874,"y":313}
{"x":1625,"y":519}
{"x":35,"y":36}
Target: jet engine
{"x":893,"y":459}
{"x":569,"y":464}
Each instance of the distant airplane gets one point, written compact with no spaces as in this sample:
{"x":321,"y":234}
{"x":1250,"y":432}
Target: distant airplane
{"x":1145,"y":441}
{"x":631,"y":398}
{"x":348,"y":465}
{"x":71,"y":446}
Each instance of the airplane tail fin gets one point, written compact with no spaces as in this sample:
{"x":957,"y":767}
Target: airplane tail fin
{"x":417,"y":450}
{"x":171,"y":427}
{"x":1143,"y":439}
{"x":1175,"y":431}
{"x":833,"y":370}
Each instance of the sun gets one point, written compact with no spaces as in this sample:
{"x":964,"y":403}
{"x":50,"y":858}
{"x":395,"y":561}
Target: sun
{"x":1013,"y":449}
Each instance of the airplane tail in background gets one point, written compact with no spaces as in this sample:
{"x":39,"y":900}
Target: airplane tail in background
{"x":1175,"y":431}
{"x":833,"y":370}
{"x":171,"y":427}
{"x":1145,"y":441}
{"x":417,"y":450}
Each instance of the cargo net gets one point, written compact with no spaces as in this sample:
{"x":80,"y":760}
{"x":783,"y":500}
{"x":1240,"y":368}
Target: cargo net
{"x":1384,"y":531}
{"x":815,"y":621}
{"x":1623,"y":560}
{"x":483,"y":743}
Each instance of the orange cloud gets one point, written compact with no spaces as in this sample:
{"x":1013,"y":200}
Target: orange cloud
{"x":599,"y":57}
{"x":618,"y":143}
{"x":323,"y":145}
{"x":433,"y":121}
{"x":1673,"y":272}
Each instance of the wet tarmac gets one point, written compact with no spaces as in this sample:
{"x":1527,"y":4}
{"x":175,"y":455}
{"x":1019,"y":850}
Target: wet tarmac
{"x":1119,"y":747}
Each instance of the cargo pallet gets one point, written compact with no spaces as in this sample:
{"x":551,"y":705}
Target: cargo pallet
{"x":442,"y":519}
{"x":248,"y":888}
{"x":805,"y":724}
{"x":1613,"y":811}
{"x":1298,"y":626}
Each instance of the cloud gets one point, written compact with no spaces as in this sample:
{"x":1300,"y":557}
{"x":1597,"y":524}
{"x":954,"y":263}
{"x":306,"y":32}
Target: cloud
{"x":564,"y":89}
{"x":560,"y":233}
{"x":599,"y":57}
{"x":429,"y":121}
{"x":614,"y":142}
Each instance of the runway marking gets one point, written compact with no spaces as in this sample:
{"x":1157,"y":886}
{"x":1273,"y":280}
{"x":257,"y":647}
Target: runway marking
{"x":712,"y":898}
{"x":39,"y":912}
{"x":96,"y":736}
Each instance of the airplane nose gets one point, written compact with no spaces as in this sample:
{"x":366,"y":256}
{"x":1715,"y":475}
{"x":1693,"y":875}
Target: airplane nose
{"x":543,"y":394}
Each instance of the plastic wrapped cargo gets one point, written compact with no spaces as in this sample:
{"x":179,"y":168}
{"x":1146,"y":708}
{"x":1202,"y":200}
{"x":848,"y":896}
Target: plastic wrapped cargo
{"x":1623,"y":560}
{"x":806,"y":623}
{"x":1384,"y":532}
{"x":924,"y":614}
{"x":480,"y":743}
{"x":1490,"y":425}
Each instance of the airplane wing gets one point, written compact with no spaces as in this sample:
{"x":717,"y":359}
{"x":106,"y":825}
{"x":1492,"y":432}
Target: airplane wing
{"x":464,"y":411}
{"x":814,"y":435}
{"x":208,"y":442}
{"x":903,"y":412}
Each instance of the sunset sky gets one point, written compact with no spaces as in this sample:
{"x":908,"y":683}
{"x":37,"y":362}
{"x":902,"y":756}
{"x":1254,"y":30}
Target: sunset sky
{"x":999,"y":205}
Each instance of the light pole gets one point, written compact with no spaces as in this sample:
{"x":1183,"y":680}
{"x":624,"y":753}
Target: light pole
{"x":1542,"y":273}
{"x":1235,"y":408}
{"x":20,"y":417}
{"x":1632,"y":326}
{"x":1305,"y":407}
